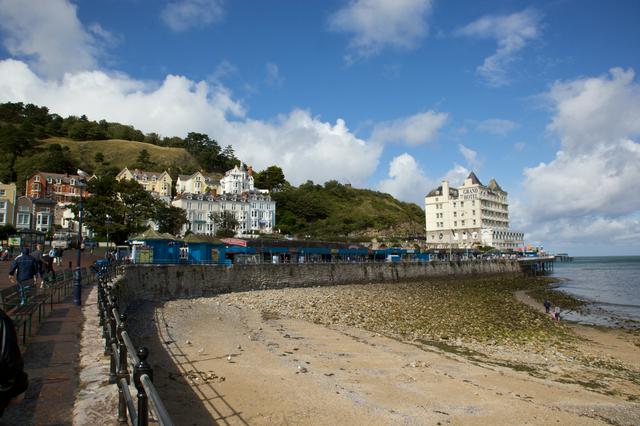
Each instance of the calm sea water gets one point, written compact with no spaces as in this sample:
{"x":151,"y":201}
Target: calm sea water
{"x":612,"y":284}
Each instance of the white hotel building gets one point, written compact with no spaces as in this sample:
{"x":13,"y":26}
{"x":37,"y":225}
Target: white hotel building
{"x":253,"y":208}
{"x":468,"y":216}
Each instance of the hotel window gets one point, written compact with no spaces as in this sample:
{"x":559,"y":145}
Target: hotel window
{"x":473,"y":212}
{"x":455,"y":214}
{"x":462,"y":223}
{"x":455,"y":223}
{"x":474,"y":221}
{"x":454,"y":204}
{"x":461,"y":203}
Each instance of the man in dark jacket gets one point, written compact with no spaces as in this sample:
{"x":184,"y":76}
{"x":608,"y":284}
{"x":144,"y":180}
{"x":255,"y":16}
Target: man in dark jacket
{"x":27,"y":270}
{"x":13,"y":380}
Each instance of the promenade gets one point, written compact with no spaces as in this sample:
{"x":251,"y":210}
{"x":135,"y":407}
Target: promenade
{"x":51,"y":359}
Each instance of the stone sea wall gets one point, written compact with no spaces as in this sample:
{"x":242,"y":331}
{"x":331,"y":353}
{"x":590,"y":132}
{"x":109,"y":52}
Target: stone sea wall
{"x":157,"y":282}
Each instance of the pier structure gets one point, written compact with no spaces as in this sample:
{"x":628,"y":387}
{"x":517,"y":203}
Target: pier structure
{"x":538,"y":265}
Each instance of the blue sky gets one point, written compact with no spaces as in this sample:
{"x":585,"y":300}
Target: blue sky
{"x":393,"y":95}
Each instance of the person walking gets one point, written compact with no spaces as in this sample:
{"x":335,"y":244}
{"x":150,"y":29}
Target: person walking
{"x":27,"y":269}
{"x":556,"y":313}
{"x":13,"y":380}
{"x":547,"y":305}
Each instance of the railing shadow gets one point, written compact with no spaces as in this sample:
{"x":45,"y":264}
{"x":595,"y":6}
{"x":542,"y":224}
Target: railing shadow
{"x":171,"y":365}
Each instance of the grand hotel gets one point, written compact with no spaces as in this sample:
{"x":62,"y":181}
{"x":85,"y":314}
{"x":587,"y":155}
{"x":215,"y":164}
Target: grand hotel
{"x":470,"y":216}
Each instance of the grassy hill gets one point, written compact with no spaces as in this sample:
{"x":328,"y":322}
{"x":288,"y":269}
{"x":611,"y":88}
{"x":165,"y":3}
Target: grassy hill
{"x":340,"y":211}
{"x":122,"y":153}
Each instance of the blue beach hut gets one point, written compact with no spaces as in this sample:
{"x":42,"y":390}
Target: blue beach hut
{"x":152,"y":246}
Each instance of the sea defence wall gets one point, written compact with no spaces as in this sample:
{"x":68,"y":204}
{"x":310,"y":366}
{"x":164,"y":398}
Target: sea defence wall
{"x":161,"y":282}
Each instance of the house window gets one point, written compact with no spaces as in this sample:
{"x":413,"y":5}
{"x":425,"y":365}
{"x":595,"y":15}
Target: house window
{"x":2,"y":218}
{"x":36,"y":178}
{"x":3,"y":193}
{"x":3,"y":205}
{"x":24,"y":219}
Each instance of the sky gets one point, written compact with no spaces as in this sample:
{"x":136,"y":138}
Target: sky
{"x":392,"y":95}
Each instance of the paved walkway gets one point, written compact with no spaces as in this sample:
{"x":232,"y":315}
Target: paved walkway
{"x":51,"y":360}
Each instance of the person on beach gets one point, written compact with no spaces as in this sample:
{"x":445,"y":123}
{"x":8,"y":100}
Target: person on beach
{"x":547,"y":306}
{"x":556,"y":313}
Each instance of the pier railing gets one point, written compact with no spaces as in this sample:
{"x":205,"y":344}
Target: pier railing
{"x":127,"y":362}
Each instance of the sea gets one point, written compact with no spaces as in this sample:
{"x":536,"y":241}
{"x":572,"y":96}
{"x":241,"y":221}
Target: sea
{"x":611,"y":284}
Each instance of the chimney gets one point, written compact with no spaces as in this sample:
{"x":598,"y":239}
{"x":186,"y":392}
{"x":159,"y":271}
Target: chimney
{"x":445,"y":189}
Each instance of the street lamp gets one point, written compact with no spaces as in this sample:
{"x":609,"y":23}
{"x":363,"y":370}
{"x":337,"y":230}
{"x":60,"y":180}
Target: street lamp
{"x":77,"y":278}
{"x":107,"y":222}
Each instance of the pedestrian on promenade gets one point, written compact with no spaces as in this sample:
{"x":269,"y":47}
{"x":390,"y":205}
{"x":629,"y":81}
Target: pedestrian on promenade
{"x":547,"y":305}
{"x":13,"y":380}
{"x":46,"y":271}
{"x":27,"y":269}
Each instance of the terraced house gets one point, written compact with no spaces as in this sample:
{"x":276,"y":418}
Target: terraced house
{"x":253,"y":208}
{"x":7,"y":203}
{"x":157,"y":183}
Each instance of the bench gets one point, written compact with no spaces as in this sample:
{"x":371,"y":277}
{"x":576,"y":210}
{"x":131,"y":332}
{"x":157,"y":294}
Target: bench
{"x":22,"y":315}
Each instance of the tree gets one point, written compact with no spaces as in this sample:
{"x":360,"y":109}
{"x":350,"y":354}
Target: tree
{"x":99,"y":157}
{"x":226,"y":224}
{"x":144,"y":161}
{"x":170,"y":218}
{"x":272,"y":178}
{"x":126,"y":201}
{"x":6,"y":231}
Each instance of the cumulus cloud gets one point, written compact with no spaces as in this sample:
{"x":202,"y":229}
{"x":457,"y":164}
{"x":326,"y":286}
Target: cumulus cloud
{"x":407,"y":181}
{"x":456,"y":175}
{"x":303,"y":145}
{"x":590,"y":180}
{"x":413,"y":130}
{"x":183,"y":15}
{"x":471,"y":157}
{"x":376,"y":24}
{"x":511,"y":32}
{"x":497,"y":126}
{"x":48,"y":35}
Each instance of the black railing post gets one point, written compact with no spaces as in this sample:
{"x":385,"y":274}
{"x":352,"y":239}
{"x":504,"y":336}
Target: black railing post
{"x":143,"y":401}
{"x":122,"y":372}
{"x":112,"y":341}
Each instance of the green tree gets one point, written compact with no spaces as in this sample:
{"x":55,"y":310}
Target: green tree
{"x":170,"y":218}
{"x":144,"y":161}
{"x":272,"y":178}
{"x":128,"y":204}
{"x":226,"y":224}
{"x":99,"y":157}
{"x":6,"y":231}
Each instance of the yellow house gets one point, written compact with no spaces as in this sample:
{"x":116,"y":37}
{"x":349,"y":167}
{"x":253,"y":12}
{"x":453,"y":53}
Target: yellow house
{"x":7,"y":203}
{"x":157,"y":183}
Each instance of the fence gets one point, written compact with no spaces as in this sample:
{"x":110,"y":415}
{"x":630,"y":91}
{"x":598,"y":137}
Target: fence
{"x":124,"y":359}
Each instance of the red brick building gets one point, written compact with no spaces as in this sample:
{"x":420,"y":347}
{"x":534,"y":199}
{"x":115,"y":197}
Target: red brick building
{"x":62,"y":188}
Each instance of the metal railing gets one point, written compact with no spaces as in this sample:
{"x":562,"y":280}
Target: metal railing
{"x":126,"y":362}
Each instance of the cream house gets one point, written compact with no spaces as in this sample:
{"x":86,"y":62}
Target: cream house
{"x":157,"y":183}
{"x":197,"y":183}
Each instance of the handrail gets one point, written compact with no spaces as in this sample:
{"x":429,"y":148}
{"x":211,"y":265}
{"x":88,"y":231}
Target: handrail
{"x":124,"y":359}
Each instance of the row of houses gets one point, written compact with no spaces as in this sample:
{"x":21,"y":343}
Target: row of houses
{"x":48,"y":197}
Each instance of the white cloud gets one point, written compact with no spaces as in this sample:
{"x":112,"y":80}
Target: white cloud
{"x":274,"y":78}
{"x":456,"y":175}
{"x":407,"y":180}
{"x":376,"y":24}
{"x":471,"y":157}
{"x":593,"y":111}
{"x":414,"y":130}
{"x":589,"y":185}
{"x":497,"y":126}
{"x":512,"y":32}
{"x":48,"y":34}
{"x":182,"y":15}
{"x":303,"y":145}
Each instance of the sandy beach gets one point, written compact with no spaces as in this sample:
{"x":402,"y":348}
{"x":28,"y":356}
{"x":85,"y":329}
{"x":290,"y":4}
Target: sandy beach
{"x":440,"y":352}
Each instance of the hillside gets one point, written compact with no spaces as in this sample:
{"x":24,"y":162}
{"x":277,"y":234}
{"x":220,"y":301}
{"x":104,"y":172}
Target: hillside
{"x":123,"y":153}
{"x":340,"y":211}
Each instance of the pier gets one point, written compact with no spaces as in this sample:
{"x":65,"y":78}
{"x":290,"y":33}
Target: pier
{"x":537,"y":265}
